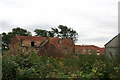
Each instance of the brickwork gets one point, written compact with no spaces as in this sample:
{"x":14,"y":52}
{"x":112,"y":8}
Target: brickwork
{"x":88,"y":49}
{"x":50,"y":46}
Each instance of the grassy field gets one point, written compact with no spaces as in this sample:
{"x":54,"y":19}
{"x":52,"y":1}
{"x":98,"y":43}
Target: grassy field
{"x":84,"y":67}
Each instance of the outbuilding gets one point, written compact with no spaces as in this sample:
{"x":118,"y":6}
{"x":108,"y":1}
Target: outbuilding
{"x":88,"y":49}
{"x":50,"y":46}
{"x":112,"y":47}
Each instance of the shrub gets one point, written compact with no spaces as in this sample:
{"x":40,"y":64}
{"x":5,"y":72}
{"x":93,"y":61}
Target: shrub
{"x":32,"y":66}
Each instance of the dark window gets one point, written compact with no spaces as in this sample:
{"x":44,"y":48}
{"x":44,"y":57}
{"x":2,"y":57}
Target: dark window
{"x":32,"y":44}
{"x":21,"y":42}
{"x":65,"y":48}
{"x":26,"y":47}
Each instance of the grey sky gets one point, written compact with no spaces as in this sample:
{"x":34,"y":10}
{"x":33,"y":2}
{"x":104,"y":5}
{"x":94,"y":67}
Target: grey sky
{"x":96,"y":21}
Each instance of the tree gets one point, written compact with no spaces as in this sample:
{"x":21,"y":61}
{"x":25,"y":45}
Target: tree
{"x":6,"y":37}
{"x":43,"y":33}
{"x":21,"y":32}
{"x":6,"y":40}
{"x":65,"y":32}
{"x":56,"y":32}
{"x":51,"y":34}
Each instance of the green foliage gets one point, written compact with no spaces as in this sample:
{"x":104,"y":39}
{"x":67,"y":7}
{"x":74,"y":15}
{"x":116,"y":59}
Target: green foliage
{"x":60,"y":32}
{"x":6,"y":40}
{"x":21,"y":32}
{"x":80,"y":66}
{"x":65,"y":32}
{"x":43,"y":33}
{"x":6,"y":37}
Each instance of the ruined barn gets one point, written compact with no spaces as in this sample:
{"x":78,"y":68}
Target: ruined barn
{"x":50,"y":46}
{"x":88,"y":49}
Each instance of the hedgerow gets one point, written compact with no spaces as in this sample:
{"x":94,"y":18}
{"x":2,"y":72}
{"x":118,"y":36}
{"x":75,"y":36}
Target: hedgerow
{"x":85,"y":67}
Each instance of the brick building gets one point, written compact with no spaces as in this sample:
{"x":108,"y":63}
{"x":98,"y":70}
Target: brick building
{"x":50,"y":46}
{"x":88,"y":49}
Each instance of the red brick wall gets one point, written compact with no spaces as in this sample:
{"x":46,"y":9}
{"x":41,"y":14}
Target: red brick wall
{"x":58,"y":47}
{"x":88,"y":49}
{"x":55,"y":47}
{"x":14,"y":45}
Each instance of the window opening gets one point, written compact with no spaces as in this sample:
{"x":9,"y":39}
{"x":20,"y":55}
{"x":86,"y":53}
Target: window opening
{"x":32,"y":43}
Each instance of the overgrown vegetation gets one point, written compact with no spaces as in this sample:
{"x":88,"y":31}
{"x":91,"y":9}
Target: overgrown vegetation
{"x":84,"y":67}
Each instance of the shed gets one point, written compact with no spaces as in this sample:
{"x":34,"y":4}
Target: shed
{"x":112,"y":47}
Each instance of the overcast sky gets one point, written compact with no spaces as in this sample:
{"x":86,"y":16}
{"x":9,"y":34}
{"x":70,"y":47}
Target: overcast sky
{"x":96,"y":21}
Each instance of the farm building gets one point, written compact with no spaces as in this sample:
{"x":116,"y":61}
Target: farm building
{"x":50,"y":46}
{"x":112,"y":48}
{"x":88,"y":49}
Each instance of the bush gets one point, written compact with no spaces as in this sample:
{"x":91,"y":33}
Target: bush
{"x":32,"y":66}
